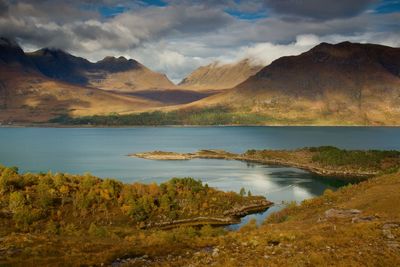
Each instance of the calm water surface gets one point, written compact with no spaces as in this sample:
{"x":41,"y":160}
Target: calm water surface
{"x":102,"y":151}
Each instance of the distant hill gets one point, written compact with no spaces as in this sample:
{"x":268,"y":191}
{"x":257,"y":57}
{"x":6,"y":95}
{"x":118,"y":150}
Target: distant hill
{"x":217,"y":76}
{"x":345,"y":83}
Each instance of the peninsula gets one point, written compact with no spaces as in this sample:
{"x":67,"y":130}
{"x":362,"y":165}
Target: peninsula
{"x":324,"y":161}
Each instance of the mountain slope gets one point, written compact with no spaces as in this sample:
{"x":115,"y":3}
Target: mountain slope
{"x":346,"y":83}
{"x":123,"y":75}
{"x":217,"y":76}
{"x":26,"y":95}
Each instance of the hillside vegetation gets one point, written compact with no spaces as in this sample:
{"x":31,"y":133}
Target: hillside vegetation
{"x":62,"y":219}
{"x":208,"y":116}
{"x":86,"y":215}
{"x":329,"y":159}
{"x":359,"y":225}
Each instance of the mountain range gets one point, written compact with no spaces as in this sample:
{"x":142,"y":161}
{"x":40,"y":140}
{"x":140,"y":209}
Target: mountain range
{"x":331,"y":84}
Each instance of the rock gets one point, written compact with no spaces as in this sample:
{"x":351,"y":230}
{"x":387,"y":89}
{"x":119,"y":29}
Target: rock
{"x":215,"y":252}
{"x":388,"y":234}
{"x":386,"y":230}
{"x":390,"y":225}
{"x":363,"y":219}
{"x":273,"y":242}
{"x":341,"y":213}
{"x":393,"y":244}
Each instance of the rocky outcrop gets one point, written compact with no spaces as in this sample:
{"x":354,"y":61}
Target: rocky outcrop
{"x":228,"y":217}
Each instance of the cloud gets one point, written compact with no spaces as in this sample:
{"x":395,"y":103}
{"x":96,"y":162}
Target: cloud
{"x":181,"y":35}
{"x":265,"y":53}
{"x":3,"y":8}
{"x":319,"y":9}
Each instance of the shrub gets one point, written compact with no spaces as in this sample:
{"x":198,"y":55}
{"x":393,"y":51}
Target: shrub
{"x":98,"y":231}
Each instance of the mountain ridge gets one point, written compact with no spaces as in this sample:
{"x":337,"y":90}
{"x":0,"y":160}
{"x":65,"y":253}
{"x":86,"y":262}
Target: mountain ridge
{"x":219,"y":76}
{"x":105,"y":74}
{"x":28,"y":95}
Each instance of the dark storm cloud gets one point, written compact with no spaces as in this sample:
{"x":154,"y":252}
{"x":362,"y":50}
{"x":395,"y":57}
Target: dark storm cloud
{"x":3,"y":8}
{"x":319,"y":9}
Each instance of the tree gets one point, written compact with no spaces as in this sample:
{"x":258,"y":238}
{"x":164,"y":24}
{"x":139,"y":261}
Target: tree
{"x":242,"y":191}
{"x":165,"y":203}
{"x":16,"y":201}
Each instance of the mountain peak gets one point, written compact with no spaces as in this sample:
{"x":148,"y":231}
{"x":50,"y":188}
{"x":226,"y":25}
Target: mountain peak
{"x":218,"y":75}
{"x":117,"y":64}
{"x":12,"y":53}
{"x":53,"y":52}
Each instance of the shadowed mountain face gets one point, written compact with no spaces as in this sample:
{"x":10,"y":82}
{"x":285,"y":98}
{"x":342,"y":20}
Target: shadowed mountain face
{"x":12,"y":55}
{"x":346,"y":83}
{"x":105,"y":74}
{"x":60,"y":65}
{"x":220,"y":76}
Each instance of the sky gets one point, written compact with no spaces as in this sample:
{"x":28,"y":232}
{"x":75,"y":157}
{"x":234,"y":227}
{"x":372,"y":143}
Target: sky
{"x":177,"y":36}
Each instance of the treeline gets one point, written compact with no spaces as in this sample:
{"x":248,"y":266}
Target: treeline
{"x":335,"y":158}
{"x":364,"y":159}
{"x":51,"y":202}
{"x":208,"y":116}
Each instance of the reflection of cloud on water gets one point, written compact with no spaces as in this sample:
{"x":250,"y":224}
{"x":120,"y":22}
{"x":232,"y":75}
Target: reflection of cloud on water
{"x":300,"y":193}
{"x":280,"y":189}
{"x":259,"y":182}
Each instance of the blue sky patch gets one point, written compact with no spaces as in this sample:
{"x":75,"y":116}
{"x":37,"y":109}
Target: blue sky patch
{"x":387,"y":6}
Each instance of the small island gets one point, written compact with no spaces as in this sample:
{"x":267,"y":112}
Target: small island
{"x":324,"y":160}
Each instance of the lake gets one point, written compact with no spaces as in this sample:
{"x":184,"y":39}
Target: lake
{"x":102,"y":152}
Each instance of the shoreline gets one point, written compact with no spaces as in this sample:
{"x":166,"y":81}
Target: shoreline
{"x":230,"y":217}
{"x":85,"y":126}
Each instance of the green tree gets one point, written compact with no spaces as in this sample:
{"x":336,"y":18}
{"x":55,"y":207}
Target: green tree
{"x":242,"y":191}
